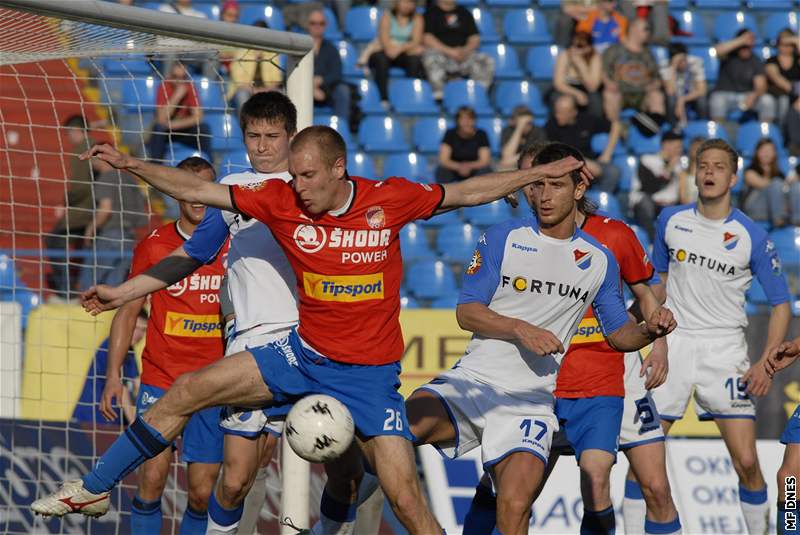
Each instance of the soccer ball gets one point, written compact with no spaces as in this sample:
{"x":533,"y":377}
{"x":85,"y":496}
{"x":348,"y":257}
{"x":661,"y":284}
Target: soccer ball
{"x":319,"y":428}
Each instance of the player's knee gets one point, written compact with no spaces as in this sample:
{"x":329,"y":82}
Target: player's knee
{"x":746,"y":465}
{"x":198,"y":496}
{"x":407,"y":503}
{"x":234,"y":487}
{"x":511,"y":508}
{"x":595,"y":479}
{"x":657,"y":493}
{"x":151,"y":482}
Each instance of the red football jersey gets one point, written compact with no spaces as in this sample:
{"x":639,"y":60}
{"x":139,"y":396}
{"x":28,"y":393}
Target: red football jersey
{"x":184,"y":332}
{"x":348,"y":266}
{"x":591,"y":367}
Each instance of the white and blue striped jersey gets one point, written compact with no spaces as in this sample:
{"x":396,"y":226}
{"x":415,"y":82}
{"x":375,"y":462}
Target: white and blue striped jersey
{"x":519,"y":272}
{"x":711,"y":264}
{"x":260,"y":281}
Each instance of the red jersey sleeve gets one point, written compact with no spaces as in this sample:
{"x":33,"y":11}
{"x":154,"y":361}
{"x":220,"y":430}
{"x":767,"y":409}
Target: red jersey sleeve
{"x":162,"y":95}
{"x":414,"y":200}
{"x":191,"y":100}
{"x":141,"y":261}
{"x":634,"y":264}
{"x":258,"y":199}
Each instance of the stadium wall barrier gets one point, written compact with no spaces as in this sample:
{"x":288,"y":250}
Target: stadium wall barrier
{"x":704,"y":488}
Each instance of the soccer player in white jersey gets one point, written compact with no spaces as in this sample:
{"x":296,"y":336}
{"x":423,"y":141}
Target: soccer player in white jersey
{"x":525,"y":291}
{"x":708,"y":254}
{"x":257,"y":267}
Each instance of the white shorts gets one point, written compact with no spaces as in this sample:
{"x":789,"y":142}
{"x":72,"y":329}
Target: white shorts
{"x":713,"y":366}
{"x":641,"y":423}
{"x":495,"y":421}
{"x":247,"y":422}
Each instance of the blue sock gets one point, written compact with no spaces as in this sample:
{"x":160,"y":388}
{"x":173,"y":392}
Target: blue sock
{"x":753,"y":497}
{"x":221,"y":516}
{"x":599,"y":522}
{"x":138,"y":443}
{"x":194,"y":522}
{"x":336,"y":510}
{"x":145,"y":516}
{"x":482,"y":515}
{"x":662,"y":528}
{"x":633,"y":491}
{"x":788,"y":521}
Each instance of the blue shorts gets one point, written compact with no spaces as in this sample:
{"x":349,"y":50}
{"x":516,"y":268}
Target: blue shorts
{"x":591,"y":423}
{"x":291,"y":370}
{"x":202,"y":437}
{"x":791,"y":433}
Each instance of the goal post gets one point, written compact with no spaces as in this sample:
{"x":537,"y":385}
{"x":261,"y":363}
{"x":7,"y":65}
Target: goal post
{"x":56,"y":58}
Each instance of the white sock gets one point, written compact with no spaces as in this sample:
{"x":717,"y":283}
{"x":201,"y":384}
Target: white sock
{"x":755,"y":509}
{"x":212,"y":528}
{"x":634,"y":508}
{"x":254,"y":502}
{"x":328,"y":526}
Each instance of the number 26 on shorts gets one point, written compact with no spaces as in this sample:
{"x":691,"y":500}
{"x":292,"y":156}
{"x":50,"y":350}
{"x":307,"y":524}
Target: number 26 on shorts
{"x":394,"y":420}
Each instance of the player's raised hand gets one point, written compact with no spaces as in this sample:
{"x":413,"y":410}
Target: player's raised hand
{"x":113,"y":389}
{"x":782,"y":356}
{"x":758,"y":379}
{"x":661,"y":322}
{"x":540,"y":341}
{"x":101,"y":298}
{"x":656,"y":365}
{"x":564,"y":166}
{"x":108,"y":154}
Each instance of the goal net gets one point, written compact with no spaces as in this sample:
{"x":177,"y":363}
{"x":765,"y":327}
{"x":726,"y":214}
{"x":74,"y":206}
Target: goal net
{"x":73,"y":73}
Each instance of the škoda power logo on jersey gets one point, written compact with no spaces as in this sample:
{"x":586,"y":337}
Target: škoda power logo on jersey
{"x":360,"y":246}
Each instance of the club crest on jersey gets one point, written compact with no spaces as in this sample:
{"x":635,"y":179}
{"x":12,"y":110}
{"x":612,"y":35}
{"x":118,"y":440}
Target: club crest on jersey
{"x":376,"y":218}
{"x":309,"y":238}
{"x":254,"y":186}
{"x":177,"y":289}
{"x":475,"y":263}
{"x":583,"y":259}
{"x":730,"y":240}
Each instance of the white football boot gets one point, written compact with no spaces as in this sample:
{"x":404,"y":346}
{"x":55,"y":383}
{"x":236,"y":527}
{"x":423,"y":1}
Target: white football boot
{"x":72,"y":498}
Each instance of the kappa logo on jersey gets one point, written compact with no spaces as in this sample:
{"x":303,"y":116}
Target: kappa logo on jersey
{"x":683,"y":229}
{"x":769,"y":247}
{"x":193,"y":325}
{"x":309,"y":238}
{"x":475,"y":263}
{"x":376,"y":218}
{"x":524,"y":248}
{"x":343,"y":288}
{"x":681,"y":255}
{"x":482,"y":239}
{"x":521,"y":284}
{"x":588,"y":331}
{"x":775,"y":264}
{"x":730,"y":240}
{"x":583,"y":259}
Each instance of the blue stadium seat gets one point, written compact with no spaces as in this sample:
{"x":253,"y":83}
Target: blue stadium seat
{"x":485,"y":23}
{"x":693,"y":24}
{"x":661,"y":53}
{"x":361,"y":23}
{"x":599,"y":142}
{"x":131,"y":66}
{"x":787,"y":243}
{"x":370,"y":102}
{"x":710,"y":61}
{"x":428,"y":132}
{"x":456,"y":242}
{"x":705,"y":129}
{"x":406,"y":301}
{"x":349,"y":58}
{"x":551,"y":4}
{"x":771,"y":5}
{"x":414,"y":243}
{"x":506,"y":61}
{"x":750,"y":133}
{"x":448,"y":301}
{"x":211,"y":95}
{"x":718,"y":4}
{"x":639,"y":144}
{"x":679,"y":4}
{"x":486,"y":215}
{"x":755,"y":294}
{"x":360,"y":164}
{"x":541,"y":61}
{"x":526,"y":27}
{"x":606,"y":203}
{"x":382,"y":134}
{"x":177,"y":152}
{"x":493,"y":126}
{"x":225,"y":131}
{"x":8,"y":274}
{"x":644,"y":239}
{"x":338,"y":124}
{"x":27,"y":300}
{"x":776,"y":22}
{"x":140,"y":93}
{"x":412,"y":96}
{"x":273,"y":16}
{"x":509,"y":94}
{"x":411,"y":165}
{"x":508,"y":3}
{"x":234,"y":162}
{"x":727,"y":23}
{"x":430,"y":279}
{"x":332,"y":31}
{"x":447,"y":218}
{"x":470,"y":93}
{"x":211,"y":11}
{"x":629,"y":167}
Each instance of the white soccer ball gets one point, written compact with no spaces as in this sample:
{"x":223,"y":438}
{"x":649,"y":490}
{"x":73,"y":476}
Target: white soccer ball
{"x":319,"y":428}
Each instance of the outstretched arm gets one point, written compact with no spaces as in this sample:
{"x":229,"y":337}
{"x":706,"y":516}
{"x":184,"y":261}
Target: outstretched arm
{"x":492,"y":186}
{"x":632,"y":336}
{"x":177,"y":183}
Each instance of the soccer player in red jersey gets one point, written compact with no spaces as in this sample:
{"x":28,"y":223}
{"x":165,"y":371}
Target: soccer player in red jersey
{"x":184,"y":334}
{"x":340,"y":234}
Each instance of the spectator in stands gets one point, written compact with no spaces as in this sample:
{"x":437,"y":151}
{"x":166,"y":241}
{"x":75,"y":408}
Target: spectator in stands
{"x":657,"y":185}
{"x":182,"y":7}
{"x":783,"y":72}
{"x":400,"y":38}
{"x":451,"y":47}
{"x":687,"y":187}
{"x":630,"y":77}
{"x":579,"y":72}
{"x":569,"y":125}
{"x":329,"y":87}
{"x":742,"y":83}
{"x":656,"y":12}
{"x":465,"y":149}
{"x":519,"y":132}
{"x":791,"y":128}
{"x":605,"y":24}
{"x":253,"y":71}
{"x":684,"y":84}
{"x":87,"y":410}
{"x":572,"y":12}
{"x":120,"y":209}
{"x":76,"y":215}
{"x":768,"y":195}
{"x":204,"y":63}
{"x":230,"y":12}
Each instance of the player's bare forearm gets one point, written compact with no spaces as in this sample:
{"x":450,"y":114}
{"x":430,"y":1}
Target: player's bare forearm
{"x":630,"y":337}
{"x":119,"y":339}
{"x":480,"y":319}
{"x":646,"y":301}
{"x":778,"y":328}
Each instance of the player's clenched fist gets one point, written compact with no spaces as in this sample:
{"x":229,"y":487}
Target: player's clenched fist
{"x":101,"y":298}
{"x":540,"y":341}
{"x":661,"y":322}
{"x":108,"y":154}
